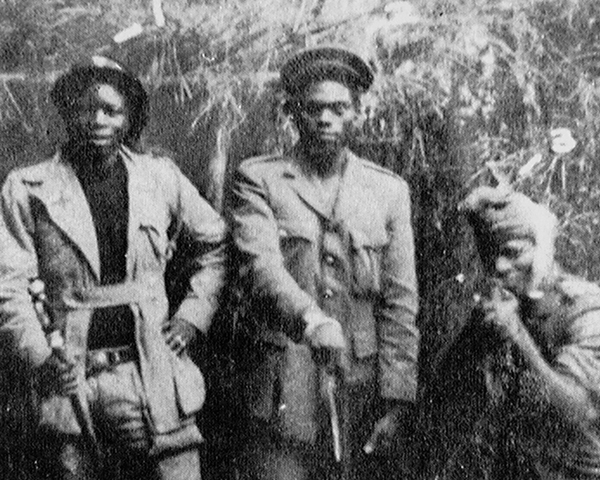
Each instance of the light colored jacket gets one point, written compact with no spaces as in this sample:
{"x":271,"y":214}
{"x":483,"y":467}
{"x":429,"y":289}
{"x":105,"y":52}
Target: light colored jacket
{"x":357,"y":264}
{"x":47,"y":232}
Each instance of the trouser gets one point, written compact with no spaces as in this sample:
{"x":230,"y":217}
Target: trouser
{"x":269,"y":456}
{"x":121,"y":422}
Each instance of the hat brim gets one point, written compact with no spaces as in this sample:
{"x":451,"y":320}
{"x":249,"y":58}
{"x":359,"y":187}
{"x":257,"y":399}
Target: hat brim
{"x":325,"y":63}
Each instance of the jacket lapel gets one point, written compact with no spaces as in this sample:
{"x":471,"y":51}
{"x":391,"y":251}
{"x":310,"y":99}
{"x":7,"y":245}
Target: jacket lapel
{"x":67,"y":206}
{"x":304,"y":188}
{"x":353,"y":195}
{"x":140,"y":196}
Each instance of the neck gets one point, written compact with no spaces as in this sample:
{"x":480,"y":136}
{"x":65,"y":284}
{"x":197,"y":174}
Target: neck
{"x":321,"y":162}
{"x":89,"y":160}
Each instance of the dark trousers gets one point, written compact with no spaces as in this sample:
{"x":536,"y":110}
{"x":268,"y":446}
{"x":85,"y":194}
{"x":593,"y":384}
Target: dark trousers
{"x":65,"y":458}
{"x":268,"y":456}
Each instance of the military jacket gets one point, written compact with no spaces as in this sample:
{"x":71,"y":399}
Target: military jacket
{"x":355,"y":262}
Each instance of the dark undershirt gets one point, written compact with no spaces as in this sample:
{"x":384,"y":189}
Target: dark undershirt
{"x":107,"y":196}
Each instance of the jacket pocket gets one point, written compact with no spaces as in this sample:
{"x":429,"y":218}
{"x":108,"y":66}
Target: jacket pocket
{"x":154,"y":241}
{"x":191,"y":391}
{"x":366,"y":261}
{"x":295,"y":242}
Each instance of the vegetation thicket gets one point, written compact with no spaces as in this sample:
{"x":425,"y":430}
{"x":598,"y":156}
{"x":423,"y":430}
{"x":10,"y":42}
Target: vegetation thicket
{"x":467,"y":92}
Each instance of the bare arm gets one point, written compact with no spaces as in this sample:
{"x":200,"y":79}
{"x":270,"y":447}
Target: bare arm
{"x":568,"y":386}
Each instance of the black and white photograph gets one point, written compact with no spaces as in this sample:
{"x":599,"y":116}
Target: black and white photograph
{"x":299,"y":239}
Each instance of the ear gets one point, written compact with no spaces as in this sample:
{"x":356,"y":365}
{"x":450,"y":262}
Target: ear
{"x":358,"y":119}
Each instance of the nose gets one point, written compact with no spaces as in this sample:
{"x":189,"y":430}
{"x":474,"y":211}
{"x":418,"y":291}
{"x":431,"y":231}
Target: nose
{"x":99,"y":117}
{"x":326,"y":116}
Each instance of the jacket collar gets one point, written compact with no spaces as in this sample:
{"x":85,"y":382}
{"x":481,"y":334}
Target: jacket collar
{"x":61,"y":193}
{"x":348,"y":198}
{"x":59,"y":189}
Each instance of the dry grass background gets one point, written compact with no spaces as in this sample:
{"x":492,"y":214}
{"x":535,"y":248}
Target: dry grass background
{"x":461,"y":85}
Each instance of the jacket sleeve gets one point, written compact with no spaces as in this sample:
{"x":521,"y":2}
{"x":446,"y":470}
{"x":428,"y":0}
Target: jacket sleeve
{"x":21,"y":334}
{"x":398,"y":334}
{"x":579,"y":359}
{"x":256,"y":236}
{"x":205,"y":233}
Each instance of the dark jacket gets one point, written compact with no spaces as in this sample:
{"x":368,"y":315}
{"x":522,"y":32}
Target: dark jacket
{"x":356,"y":264}
{"x":491,"y":418}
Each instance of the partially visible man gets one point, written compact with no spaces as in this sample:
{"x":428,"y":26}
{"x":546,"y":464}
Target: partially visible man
{"x":519,"y":391}
{"x":327,"y":240}
{"x":86,"y":237}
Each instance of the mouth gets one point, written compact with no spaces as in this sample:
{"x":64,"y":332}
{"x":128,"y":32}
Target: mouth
{"x":100,"y":139}
{"x":327,"y":137}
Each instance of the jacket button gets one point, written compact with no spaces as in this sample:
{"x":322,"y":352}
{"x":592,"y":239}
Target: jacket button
{"x":328,"y":293}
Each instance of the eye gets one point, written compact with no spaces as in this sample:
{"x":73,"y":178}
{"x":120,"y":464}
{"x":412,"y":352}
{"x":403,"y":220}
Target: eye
{"x":513,"y":252}
{"x":339,"y":108}
{"x":316,"y":108}
{"x":311,"y":108}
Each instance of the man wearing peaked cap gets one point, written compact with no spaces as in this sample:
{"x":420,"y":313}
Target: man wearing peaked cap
{"x":328,"y":244}
{"x":91,"y":229}
{"x":519,"y":388}
{"x":329,"y":63}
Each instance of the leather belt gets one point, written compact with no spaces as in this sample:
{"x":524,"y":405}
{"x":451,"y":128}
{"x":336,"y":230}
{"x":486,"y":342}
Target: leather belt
{"x":108,"y":358}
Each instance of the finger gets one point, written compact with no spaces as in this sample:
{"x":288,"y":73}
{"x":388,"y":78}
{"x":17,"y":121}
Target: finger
{"x":69,"y":388}
{"x":177,"y":344}
{"x":496,"y":294}
{"x":64,"y":367}
{"x":69,"y":380}
{"x":506,"y":295}
{"x":68,"y":383}
{"x":170,"y":337}
{"x":179,"y":348}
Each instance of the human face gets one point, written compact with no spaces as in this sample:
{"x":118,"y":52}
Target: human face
{"x":514,"y":265}
{"x":325,"y":115}
{"x":100,"y":118}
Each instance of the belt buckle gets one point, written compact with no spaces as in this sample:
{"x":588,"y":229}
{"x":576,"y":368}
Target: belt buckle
{"x":107,"y":359}
{"x":113,"y":357}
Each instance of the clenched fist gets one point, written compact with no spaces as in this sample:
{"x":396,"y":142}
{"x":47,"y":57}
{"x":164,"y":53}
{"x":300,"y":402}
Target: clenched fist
{"x":323,"y":332}
{"x":501,"y":310}
{"x":57,"y":375}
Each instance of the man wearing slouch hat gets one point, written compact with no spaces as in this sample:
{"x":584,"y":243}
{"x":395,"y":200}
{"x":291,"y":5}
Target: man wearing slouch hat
{"x":519,"y":390}
{"x":86,"y":237}
{"x":327,"y":240}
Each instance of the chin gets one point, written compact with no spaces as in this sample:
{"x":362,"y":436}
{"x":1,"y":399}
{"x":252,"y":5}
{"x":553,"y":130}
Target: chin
{"x":326,"y":145}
